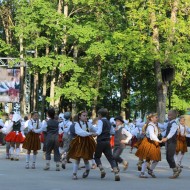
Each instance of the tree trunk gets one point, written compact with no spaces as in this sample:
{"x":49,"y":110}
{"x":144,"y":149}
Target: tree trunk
{"x":125,"y":95}
{"x":22,"y":85}
{"x":36,"y":86}
{"x":75,"y":55}
{"x":44,"y":89}
{"x":97,"y":89}
{"x":161,"y":86}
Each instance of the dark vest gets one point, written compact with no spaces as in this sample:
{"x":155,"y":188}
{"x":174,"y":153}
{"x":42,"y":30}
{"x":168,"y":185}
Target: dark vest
{"x":52,"y":127}
{"x":118,"y":137}
{"x":16,"y":126}
{"x":105,"y":135}
{"x":174,"y":137}
{"x":72,"y":131}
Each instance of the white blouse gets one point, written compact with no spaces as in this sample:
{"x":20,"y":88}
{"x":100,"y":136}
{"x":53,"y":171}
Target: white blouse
{"x":152,"y":132}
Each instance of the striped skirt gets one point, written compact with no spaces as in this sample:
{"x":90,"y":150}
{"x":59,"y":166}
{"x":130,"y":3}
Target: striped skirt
{"x":82,"y":147}
{"x":149,"y":150}
{"x":181,"y":144}
{"x":32,"y":141}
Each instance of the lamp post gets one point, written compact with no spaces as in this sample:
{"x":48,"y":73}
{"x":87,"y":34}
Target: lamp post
{"x":167,"y":76}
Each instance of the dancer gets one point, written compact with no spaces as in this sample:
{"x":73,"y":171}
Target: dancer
{"x":32,"y":140}
{"x":181,"y":147}
{"x":122,"y":137}
{"x":15,"y":137}
{"x":103,"y":143}
{"x":52,"y":127}
{"x":171,"y":142}
{"x":83,"y":145}
{"x":149,"y":149}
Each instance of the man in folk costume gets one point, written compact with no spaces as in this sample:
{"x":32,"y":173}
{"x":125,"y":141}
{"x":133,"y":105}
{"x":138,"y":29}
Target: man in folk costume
{"x":171,"y":142}
{"x":103,"y":144}
{"x":52,"y":144}
{"x":181,"y":147}
{"x":82,"y":145}
{"x":122,"y":137}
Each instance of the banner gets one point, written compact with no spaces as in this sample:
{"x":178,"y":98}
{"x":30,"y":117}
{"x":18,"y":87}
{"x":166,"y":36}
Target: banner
{"x":9,"y":84}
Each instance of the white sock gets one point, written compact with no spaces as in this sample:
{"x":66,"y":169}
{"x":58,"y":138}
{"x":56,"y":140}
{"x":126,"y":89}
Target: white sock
{"x":27,"y":157}
{"x":17,"y":151}
{"x":76,"y":166}
{"x":181,"y":158}
{"x":144,"y":165}
{"x":12,"y":151}
{"x":153,"y":165}
{"x":61,"y":150}
{"x":34,"y":158}
{"x":177,"y":158}
{"x":87,"y":165}
{"x":93,"y":161}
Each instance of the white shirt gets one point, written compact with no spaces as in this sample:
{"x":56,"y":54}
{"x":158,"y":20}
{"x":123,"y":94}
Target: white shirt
{"x":32,"y":124}
{"x":183,"y":130}
{"x":152,"y":132}
{"x":7,"y":127}
{"x":82,"y":130}
{"x":136,"y":131}
{"x":173,"y":129}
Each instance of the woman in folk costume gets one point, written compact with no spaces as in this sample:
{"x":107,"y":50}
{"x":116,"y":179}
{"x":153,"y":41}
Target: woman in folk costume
{"x":15,"y":137}
{"x":32,"y":141}
{"x":149,"y":149}
{"x":181,"y":147}
{"x":83,"y":145}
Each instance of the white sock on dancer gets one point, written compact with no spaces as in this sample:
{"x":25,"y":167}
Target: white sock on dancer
{"x":144,"y":165}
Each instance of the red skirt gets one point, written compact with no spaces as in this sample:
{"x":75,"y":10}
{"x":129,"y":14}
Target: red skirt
{"x":14,"y":136}
{"x":60,"y":138}
{"x":149,"y":150}
{"x":112,"y":141}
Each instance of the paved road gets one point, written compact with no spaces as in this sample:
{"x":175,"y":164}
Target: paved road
{"x":13,"y":176}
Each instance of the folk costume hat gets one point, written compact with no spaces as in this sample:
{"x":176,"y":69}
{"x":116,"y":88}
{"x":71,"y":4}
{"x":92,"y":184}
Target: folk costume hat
{"x":120,"y":118}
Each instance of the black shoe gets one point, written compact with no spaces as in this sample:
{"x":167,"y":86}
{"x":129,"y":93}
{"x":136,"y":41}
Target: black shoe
{"x":85,"y":174}
{"x":151,"y":173}
{"x":63,"y":166}
{"x":117,"y":178}
{"x":103,"y":174}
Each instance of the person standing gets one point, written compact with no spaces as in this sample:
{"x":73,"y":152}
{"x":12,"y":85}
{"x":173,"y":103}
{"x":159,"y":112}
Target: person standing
{"x":103,"y":143}
{"x":122,"y":137}
{"x":170,"y":140}
{"x":32,"y":140}
{"x":52,"y":143}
